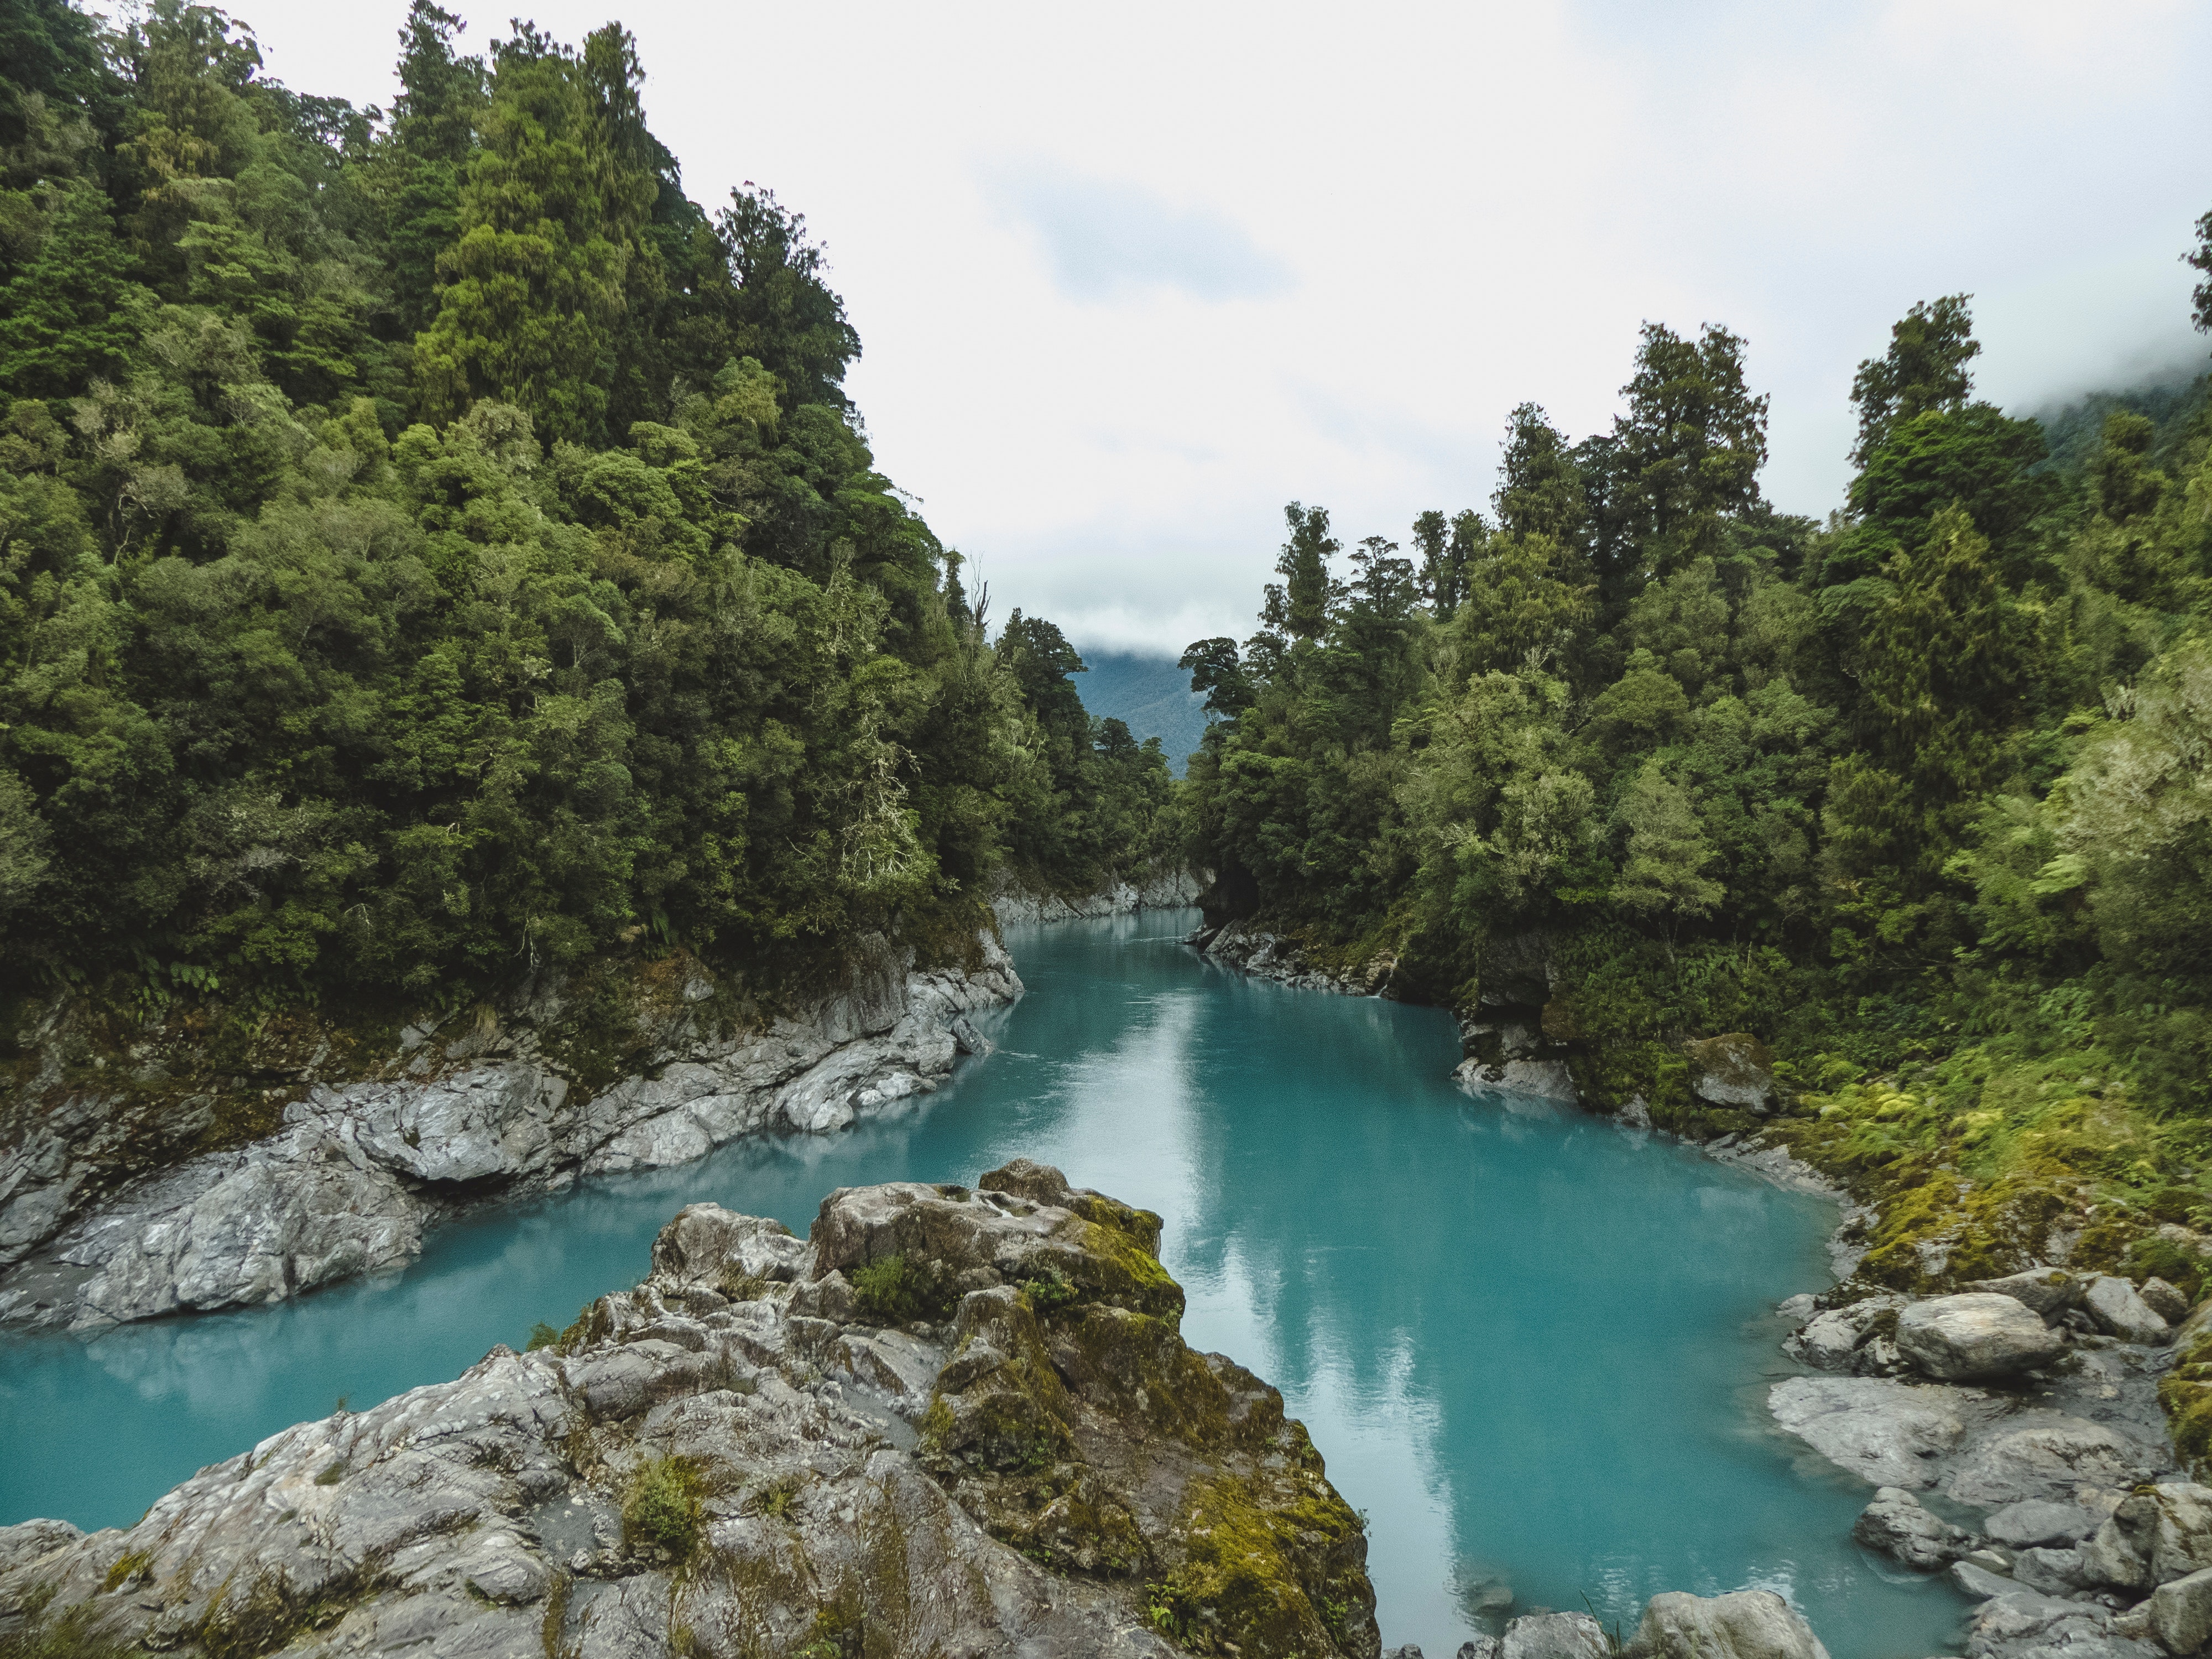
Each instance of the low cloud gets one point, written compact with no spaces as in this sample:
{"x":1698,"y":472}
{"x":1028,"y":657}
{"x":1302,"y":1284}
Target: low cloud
{"x":1105,"y":240}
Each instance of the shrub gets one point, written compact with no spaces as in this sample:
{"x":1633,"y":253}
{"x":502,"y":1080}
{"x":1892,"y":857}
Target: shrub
{"x":662,"y":1509}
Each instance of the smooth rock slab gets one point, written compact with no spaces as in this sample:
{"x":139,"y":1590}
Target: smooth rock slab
{"x":2048,"y":1455}
{"x":1976,"y":1337}
{"x":1887,"y":1433}
{"x":1744,"y":1625}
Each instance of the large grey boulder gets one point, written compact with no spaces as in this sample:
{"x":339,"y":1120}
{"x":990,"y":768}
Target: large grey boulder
{"x":1743,"y":1625}
{"x":2050,"y":1291}
{"x":2165,"y":1300}
{"x":1887,"y":1433}
{"x":1896,"y":1525}
{"x":2157,"y":1534}
{"x":2120,"y":1311}
{"x":2181,"y":1613}
{"x":1976,"y":1336}
{"x":1554,"y":1635}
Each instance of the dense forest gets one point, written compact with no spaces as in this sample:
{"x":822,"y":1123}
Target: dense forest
{"x":1922,"y":795}
{"x":434,"y":546}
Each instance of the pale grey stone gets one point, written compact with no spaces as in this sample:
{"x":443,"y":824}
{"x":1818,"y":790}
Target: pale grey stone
{"x":2050,"y":1291}
{"x":2053,"y":1571}
{"x":1979,"y":1582}
{"x":2156,"y":1534}
{"x":2047,"y":1455}
{"x":1553,"y":1635}
{"x":1897,"y":1526}
{"x":2165,"y":1300}
{"x":2120,"y":1311}
{"x":1482,"y":1647}
{"x":2181,"y":1613}
{"x":1887,"y":1433}
{"x":2039,"y":1522}
{"x":1743,"y":1625}
{"x":1837,"y":1341}
{"x":1976,"y":1336}
{"x":1733,"y":1071}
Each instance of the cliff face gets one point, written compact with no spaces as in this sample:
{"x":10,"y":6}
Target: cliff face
{"x":344,"y":1150}
{"x":952,"y":1422}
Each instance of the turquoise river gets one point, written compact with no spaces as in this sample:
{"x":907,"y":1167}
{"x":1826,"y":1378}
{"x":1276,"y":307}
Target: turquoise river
{"x":1534,"y":1347}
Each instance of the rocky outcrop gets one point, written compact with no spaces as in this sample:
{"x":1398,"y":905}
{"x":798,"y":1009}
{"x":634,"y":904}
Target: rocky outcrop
{"x":1734,"y":1072}
{"x":953,"y":1421}
{"x":1250,"y":948}
{"x":1164,"y":890}
{"x":1510,"y":1056}
{"x":358,"y":1169}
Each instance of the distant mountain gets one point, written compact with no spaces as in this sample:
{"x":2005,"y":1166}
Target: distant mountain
{"x":1151,"y":694}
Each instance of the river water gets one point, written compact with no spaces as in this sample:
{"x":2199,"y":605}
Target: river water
{"x":1534,"y":1347}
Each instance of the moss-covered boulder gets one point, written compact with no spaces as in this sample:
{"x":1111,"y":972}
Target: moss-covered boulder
{"x":953,"y":1421}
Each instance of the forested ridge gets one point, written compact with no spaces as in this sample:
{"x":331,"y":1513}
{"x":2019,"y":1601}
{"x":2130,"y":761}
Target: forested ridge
{"x":432,"y":546}
{"x":1921,"y":794}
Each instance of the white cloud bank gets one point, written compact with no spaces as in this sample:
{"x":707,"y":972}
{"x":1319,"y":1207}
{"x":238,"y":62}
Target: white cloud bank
{"x":1131,"y":278}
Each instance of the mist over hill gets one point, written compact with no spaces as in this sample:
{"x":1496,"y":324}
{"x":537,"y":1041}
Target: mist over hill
{"x":1152,"y":695}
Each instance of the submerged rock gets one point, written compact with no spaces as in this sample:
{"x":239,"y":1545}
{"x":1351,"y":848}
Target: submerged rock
{"x":1001,"y":1445}
{"x":1745,"y":1624}
{"x":1976,"y":1337}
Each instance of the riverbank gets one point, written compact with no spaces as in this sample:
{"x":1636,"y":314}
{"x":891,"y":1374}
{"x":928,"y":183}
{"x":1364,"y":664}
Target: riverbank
{"x":107,"y":1214}
{"x":2030,"y":1461}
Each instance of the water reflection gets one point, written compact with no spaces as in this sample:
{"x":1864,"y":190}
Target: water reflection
{"x":1530,"y":1344}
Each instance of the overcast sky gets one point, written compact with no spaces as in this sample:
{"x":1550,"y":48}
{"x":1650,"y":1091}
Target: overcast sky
{"x":1129,"y":278}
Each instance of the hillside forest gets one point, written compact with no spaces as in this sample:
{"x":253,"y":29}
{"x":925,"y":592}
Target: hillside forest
{"x":1920,"y":794}
{"x":432,"y":546}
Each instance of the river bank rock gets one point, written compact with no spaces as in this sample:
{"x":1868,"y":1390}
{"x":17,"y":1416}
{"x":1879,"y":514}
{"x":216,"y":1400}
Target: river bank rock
{"x":1008,"y":1448}
{"x":1254,"y":950}
{"x":2120,"y":1311}
{"x":1165,"y":890}
{"x":1976,"y":1336}
{"x":1743,"y":1625}
{"x":1554,"y":1635}
{"x":1897,"y":1525}
{"x":358,"y":1170}
{"x":1734,"y":1072}
{"x":2049,"y":1291}
{"x":1889,"y":1433}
